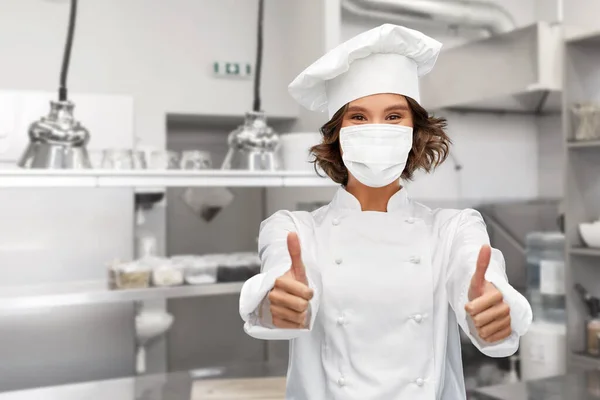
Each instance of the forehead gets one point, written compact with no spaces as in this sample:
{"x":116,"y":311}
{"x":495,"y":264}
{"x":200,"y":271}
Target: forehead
{"x":380,"y":101}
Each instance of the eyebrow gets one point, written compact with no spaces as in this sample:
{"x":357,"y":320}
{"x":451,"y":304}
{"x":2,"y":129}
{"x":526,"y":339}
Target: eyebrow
{"x":387,"y":109}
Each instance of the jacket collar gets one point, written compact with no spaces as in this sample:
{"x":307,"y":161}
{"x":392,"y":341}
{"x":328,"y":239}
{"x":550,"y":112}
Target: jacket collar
{"x":344,"y":200}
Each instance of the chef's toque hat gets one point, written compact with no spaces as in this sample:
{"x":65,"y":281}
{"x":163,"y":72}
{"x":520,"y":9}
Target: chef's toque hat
{"x":387,"y":59}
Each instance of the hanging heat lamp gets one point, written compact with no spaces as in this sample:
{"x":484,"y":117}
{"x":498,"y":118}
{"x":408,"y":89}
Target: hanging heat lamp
{"x":58,"y":141}
{"x":253,"y":146}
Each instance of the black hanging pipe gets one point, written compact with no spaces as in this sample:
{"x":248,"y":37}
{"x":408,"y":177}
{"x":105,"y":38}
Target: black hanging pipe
{"x":62,"y":91}
{"x":259,"y":54}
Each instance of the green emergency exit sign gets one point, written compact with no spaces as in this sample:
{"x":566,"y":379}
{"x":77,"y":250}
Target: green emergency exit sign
{"x":226,"y":69}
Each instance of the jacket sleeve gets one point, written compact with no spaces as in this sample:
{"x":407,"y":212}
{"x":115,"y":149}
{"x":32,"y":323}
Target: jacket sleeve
{"x":276,"y":261}
{"x":469,"y":236}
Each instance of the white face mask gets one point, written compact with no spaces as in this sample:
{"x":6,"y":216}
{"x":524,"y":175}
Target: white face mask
{"x":376,"y":154}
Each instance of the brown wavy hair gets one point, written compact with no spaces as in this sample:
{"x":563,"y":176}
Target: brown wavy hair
{"x":430,"y":148}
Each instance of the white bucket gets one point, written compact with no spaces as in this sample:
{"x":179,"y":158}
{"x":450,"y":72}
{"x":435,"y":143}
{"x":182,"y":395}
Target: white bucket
{"x":543,"y":351}
{"x":295,"y":150}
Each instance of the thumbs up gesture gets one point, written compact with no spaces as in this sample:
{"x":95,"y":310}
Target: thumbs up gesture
{"x":290,"y":295}
{"x":490,"y":315}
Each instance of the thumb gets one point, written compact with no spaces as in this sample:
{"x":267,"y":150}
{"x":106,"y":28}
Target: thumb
{"x":483,"y":261}
{"x":297,"y":268}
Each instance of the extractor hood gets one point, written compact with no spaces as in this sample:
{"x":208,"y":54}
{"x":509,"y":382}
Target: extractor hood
{"x":518,"y":72}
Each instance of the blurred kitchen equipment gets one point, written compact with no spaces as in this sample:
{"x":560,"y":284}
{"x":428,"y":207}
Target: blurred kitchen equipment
{"x":196,"y":159}
{"x":587,"y":119}
{"x":592,"y":324}
{"x":163,"y":159}
{"x":198,"y":269}
{"x":139,"y":159}
{"x":295,"y":150}
{"x":546,"y":275}
{"x":512,"y":376}
{"x":590,"y":233}
{"x":131,"y":275}
{"x":96,"y":157}
{"x":149,"y":326}
{"x":254,"y":145}
{"x":146,"y":246}
{"x":592,"y":303}
{"x":117,"y":159}
{"x":552,"y":277}
{"x":543,"y":350}
{"x":58,"y":141}
{"x":207,"y":202}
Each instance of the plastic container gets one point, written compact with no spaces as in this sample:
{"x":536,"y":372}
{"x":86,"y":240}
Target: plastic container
{"x":164,"y":271}
{"x":131,"y":275}
{"x":201,"y":270}
{"x":587,"y":120}
{"x":167,"y":275}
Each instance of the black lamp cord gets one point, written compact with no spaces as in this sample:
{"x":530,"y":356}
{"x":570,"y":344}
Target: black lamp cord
{"x":62,"y":91}
{"x":259,"y":51}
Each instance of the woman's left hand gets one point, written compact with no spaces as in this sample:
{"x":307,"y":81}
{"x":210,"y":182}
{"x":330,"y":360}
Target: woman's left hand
{"x":486,"y":307}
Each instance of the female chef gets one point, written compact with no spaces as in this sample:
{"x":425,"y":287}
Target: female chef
{"x":371,"y":289}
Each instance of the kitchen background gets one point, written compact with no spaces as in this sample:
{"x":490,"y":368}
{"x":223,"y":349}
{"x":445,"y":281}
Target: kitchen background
{"x":143,"y":77}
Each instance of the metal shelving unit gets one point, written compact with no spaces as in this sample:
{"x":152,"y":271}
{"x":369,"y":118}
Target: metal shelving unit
{"x":17,"y":178}
{"x":16,"y":298}
{"x":582,"y":190}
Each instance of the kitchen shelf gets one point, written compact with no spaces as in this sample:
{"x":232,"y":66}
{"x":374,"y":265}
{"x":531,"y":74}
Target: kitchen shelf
{"x":95,"y":292}
{"x":585,"y":361}
{"x":585,"y":251}
{"x":581,"y":187}
{"x":583,"y":144}
{"x":577,"y":36}
{"x":18,"y":178}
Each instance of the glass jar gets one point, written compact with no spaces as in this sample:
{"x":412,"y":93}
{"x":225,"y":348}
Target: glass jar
{"x":552,"y":277}
{"x":534,"y":244}
{"x":195,"y":159}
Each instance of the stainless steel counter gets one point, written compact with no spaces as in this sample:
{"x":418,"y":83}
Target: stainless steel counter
{"x":576,"y":386}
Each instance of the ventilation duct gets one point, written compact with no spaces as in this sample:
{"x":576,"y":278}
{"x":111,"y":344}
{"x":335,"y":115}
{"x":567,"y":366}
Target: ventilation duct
{"x":471,"y":14}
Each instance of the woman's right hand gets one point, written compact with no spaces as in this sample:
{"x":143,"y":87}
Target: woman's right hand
{"x":290,"y":296}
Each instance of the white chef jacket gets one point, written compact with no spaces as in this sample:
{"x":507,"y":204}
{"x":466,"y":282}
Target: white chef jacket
{"x":389,"y":294}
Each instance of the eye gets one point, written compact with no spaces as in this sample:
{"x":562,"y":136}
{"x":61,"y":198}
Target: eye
{"x":394,"y":117}
{"x":358,"y":117}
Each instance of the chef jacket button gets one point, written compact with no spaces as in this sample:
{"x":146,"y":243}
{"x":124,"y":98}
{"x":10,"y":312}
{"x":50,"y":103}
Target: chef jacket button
{"x":338,"y":261}
{"x":418,"y":318}
{"x":341,"y":381}
{"x":341,"y":321}
{"x":419,"y":382}
{"x":335,"y":222}
{"x":415,"y":259}
{"x":410,"y":220}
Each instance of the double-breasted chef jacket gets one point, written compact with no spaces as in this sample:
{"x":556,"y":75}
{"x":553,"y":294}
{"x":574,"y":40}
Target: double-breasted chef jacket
{"x":389,"y":295}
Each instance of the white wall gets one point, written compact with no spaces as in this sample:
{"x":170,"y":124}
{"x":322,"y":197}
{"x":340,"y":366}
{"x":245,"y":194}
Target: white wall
{"x":498,"y":154}
{"x":161,"y":52}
